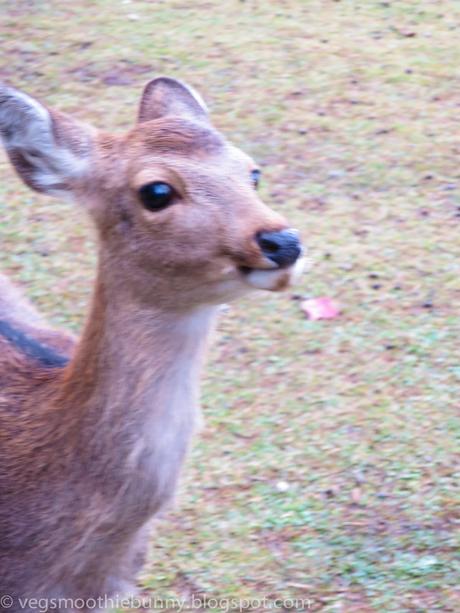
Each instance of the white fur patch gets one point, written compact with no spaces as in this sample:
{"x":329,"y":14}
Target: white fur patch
{"x":274,"y":279}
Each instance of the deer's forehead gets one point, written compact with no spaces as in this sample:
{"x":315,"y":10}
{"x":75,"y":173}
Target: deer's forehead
{"x":200,"y":171}
{"x":193,"y":161}
{"x":171,"y":147}
{"x":176,"y":136}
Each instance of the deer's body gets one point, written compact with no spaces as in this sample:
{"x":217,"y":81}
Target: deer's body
{"x":104,"y":455}
{"x":93,"y":432}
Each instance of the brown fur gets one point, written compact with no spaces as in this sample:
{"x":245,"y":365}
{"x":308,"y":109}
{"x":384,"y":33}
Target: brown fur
{"x":92,"y":450}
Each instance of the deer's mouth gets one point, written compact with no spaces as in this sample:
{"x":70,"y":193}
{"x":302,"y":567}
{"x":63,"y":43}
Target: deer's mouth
{"x":272,"y":279}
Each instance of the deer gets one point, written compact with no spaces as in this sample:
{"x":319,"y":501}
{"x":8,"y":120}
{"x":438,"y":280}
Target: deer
{"x":94,"y":430}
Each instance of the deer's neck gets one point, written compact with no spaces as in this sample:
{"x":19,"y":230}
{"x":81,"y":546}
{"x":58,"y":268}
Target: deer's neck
{"x":134,"y":380}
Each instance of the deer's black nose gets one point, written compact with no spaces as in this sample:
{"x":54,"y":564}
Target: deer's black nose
{"x":281,"y":247}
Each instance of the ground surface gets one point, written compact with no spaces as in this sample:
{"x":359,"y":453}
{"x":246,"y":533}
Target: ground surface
{"x":329,"y":465}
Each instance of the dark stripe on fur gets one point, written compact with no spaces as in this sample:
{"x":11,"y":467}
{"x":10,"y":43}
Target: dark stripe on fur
{"x":31,"y":347}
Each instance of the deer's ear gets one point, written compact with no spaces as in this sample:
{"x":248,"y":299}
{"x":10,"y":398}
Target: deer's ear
{"x":49,"y":150}
{"x":165,"y":96}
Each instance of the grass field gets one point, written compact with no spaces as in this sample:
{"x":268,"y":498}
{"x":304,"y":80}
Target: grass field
{"x":329,"y":465}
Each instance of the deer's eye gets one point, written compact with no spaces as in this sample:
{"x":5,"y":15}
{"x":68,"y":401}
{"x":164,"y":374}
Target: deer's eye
{"x":255,"y":178}
{"x":157,"y":195}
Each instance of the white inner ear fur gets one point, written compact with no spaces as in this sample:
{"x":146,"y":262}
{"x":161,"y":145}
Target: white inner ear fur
{"x":26,"y":126}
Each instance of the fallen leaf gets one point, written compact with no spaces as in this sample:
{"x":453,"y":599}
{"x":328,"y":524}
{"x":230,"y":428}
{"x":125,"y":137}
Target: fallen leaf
{"x":320,"y":308}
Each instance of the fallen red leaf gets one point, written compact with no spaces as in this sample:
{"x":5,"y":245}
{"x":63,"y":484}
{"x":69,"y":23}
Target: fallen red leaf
{"x":320,"y":308}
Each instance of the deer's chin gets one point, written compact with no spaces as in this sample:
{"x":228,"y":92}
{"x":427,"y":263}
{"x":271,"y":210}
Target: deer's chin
{"x":273,"y":280}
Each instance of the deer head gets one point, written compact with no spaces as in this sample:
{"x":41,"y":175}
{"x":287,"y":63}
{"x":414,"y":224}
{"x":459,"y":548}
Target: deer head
{"x":175,"y":204}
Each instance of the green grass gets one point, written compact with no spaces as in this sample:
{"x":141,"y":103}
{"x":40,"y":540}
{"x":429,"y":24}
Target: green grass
{"x":329,"y":465}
